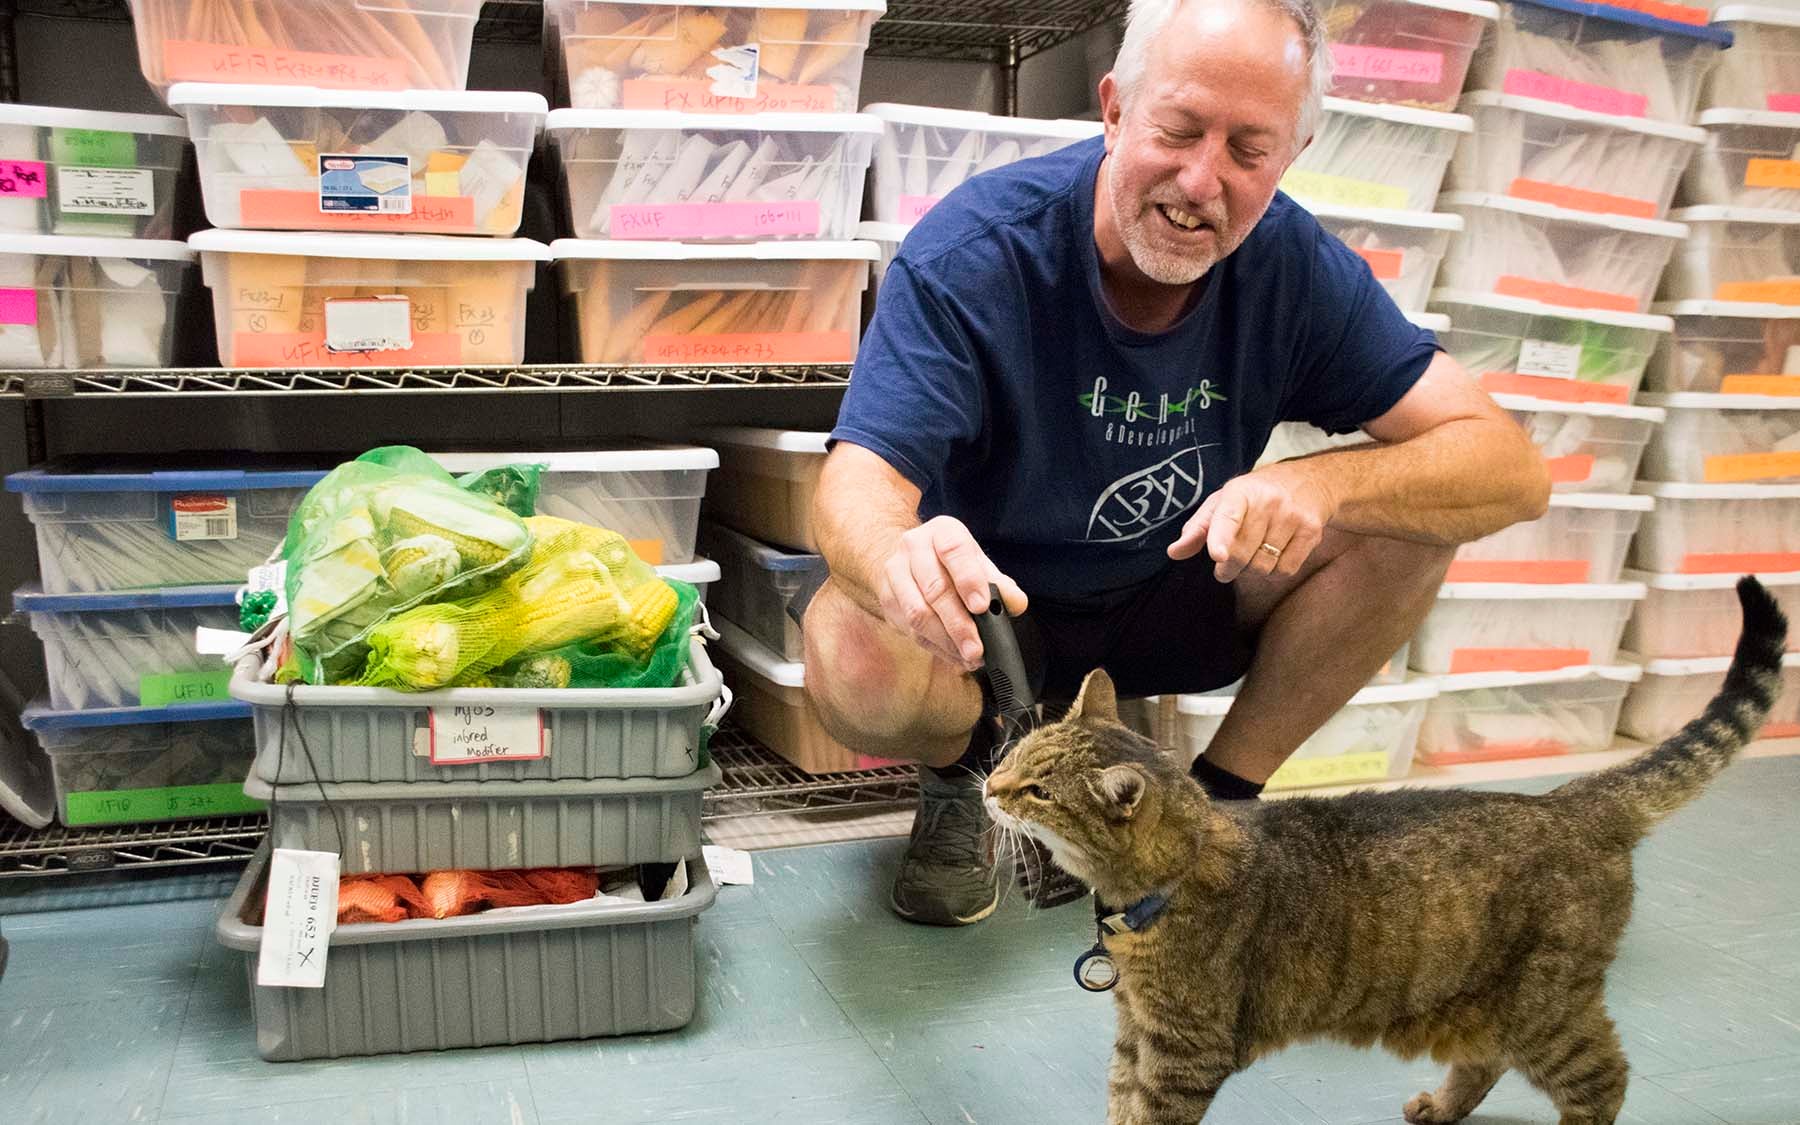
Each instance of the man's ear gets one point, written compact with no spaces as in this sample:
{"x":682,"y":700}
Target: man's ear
{"x":1123,"y":787}
{"x":1097,"y":700}
{"x":1111,"y":107}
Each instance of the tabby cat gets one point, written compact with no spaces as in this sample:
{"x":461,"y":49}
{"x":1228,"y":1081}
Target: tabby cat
{"x":1473,"y":927}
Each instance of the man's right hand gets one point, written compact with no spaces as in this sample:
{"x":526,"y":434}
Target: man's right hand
{"x":936,"y":578}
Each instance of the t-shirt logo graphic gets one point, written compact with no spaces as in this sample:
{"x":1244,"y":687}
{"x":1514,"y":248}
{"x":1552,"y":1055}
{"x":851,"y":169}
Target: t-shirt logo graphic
{"x":1136,"y":505}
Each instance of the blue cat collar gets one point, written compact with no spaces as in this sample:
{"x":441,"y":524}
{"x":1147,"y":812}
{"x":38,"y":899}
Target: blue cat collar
{"x":1134,"y":917}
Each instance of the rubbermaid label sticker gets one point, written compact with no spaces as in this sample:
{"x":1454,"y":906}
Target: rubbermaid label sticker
{"x":355,"y":183}
{"x":368,"y":324}
{"x":23,"y":179}
{"x":1552,"y":361}
{"x":195,"y":518}
{"x":105,"y":191}
{"x":736,"y":74}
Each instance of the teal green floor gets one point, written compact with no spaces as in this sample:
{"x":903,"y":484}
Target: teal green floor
{"x":820,"y":1007}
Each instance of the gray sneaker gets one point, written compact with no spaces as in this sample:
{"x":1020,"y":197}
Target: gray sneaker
{"x":946,"y":877}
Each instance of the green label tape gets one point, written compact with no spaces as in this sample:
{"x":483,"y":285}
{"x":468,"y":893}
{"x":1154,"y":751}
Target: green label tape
{"x":98,"y":147}
{"x":176,"y":802}
{"x":168,"y":688}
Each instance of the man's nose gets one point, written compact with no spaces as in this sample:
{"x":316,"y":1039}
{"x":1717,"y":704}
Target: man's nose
{"x":1201,"y":175}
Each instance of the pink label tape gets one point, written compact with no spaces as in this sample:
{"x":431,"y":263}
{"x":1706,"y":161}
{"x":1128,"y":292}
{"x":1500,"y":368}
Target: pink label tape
{"x":23,"y":179}
{"x":1391,"y":64}
{"x":713,"y":220}
{"x":1581,"y":95}
{"x":913,"y":207}
{"x":1784,"y":103}
{"x":18,"y":306}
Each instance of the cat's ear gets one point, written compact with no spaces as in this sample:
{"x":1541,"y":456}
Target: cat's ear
{"x":1123,"y":786}
{"x":1096,"y":700}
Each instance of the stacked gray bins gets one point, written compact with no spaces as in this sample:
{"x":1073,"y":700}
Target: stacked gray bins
{"x":347,"y":770}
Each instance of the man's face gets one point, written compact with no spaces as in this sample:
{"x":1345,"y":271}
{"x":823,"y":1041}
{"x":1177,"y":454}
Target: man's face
{"x":1195,"y":152}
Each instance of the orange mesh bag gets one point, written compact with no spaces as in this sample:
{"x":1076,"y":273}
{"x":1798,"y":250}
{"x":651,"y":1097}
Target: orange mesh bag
{"x":378,"y":898}
{"x":449,"y":894}
{"x":563,"y":884}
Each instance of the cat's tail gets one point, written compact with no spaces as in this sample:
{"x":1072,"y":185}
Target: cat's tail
{"x":1661,"y":780}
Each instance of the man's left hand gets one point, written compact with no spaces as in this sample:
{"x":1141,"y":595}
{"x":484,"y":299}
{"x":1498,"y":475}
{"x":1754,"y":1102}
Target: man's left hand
{"x":1284,"y":506}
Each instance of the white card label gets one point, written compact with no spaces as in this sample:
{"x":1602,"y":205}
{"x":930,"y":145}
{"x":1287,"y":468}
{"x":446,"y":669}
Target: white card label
{"x":479,"y":733}
{"x":729,"y":866}
{"x":202,"y":517}
{"x":736,"y":74}
{"x":218,"y":642}
{"x":300,"y":914}
{"x":105,"y":191}
{"x":368,"y":324}
{"x":1552,"y":361}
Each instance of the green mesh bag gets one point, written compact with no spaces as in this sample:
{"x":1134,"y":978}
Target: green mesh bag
{"x":598,"y":664}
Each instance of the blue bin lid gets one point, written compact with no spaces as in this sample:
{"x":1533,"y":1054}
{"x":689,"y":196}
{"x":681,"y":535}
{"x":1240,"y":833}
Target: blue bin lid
{"x":30,"y":599}
{"x":52,"y":479}
{"x":1655,"y":24}
{"x":761,"y":554}
{"x":38,"y":717}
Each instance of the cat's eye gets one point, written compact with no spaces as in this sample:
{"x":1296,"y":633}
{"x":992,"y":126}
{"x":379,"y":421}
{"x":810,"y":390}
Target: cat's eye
{"x":1037,"y":792}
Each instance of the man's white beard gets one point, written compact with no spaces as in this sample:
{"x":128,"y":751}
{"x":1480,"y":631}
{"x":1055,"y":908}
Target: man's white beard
{"x":1157,"y":264}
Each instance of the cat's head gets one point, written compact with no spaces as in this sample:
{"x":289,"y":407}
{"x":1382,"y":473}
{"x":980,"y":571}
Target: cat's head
{"x":1104,"y":800}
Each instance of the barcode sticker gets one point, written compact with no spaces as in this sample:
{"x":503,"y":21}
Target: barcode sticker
{"x":1551,"y":361}
{"x":356,"y":183}
{"x":195,"y":518}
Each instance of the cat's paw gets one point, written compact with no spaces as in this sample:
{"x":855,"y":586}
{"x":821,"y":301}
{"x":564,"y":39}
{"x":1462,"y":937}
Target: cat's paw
{"x":1423,"y":1110}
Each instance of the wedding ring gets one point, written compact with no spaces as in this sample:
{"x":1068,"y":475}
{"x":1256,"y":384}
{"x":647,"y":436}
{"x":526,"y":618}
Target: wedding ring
{"x":1274,"y":551}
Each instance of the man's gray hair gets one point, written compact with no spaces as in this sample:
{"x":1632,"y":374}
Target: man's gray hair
{"x":1148,"y":18}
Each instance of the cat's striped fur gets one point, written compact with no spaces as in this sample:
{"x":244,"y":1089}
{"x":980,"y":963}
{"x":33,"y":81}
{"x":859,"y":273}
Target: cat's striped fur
{"x":1473,"y":927}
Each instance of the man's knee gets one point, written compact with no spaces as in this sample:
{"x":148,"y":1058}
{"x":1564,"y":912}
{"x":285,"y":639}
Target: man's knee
{"x":1405,"y":564}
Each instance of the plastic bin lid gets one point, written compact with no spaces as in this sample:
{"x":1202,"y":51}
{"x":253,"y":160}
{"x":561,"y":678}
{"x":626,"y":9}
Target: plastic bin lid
{"x":1658,"y":227}
{"x":700,"y":572}
{"x":1543,"y":592}
{"x":1592,"y":409}
{"x":568,"y":120}
{"x":26,"y":789}
{"x":1422,"y":220}
{"x":456,"y":101}
{"x":388,"y":247}
{"x":1436,"y":322}
{"x":782,"y":441}
{"x":1756,"y":13}
{"x":883,"y":232}
{"x":565,"y":249}
{"x":1765,"y":118}
{"x":1473,"y":681}
{"x":763,"y":556}
{"x":1602,"y":501}
{"x":1713,"y":213}
{"x":1612,"y":14}
{"x":1702,"y":665}
{"x":1649,"y":126}
{"x":759,"y":658}
{"x":30,"y":599}
{"x":38,"y":717}
{"x":1402,"y":114}
{"x":799,"y":5}
{"x":83,"y":246}
{"x":1747,"y":310}
{"x":977,"y":121}
{"x":1648,"y":322}
{"x":1700,"y":400}
{"x":1681,"y":490}
{"x":1688,"y":582}
{"x":587,"y":460}
{"x":1486,"y":9}
{"x":59,"y":117}
{"x":50,"y":479}
{"x":1424,"y":687}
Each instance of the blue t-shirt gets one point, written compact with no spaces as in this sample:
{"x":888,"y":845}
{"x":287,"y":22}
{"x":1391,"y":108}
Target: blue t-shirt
{"x":995,"y":377}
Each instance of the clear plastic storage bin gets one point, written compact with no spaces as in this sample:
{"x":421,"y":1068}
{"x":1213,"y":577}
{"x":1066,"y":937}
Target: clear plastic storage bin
{"x":757,"y":584}
{"x":130,"y":649}
{"x":651,"y":496}
{"x":1403,"y":248}
{"x":1389,"y":157}
{"x":1576,"y":259}
{"x":73,"y":171}
{"x":1719,"y":528}
{"x":530,"y":975}
{"x":1371,"y":739}
{"x":305,"y":158}
{"x":1728,"y":347}
{"x":71,"y":301}
{"x":1589,"y":447}
{"x":1695,"y":615}
{"x":1552,"y":153}
{"x":739,"y":56}
{"x":661,"y":174}
{"x":125,"y":530}
{"x":1724,"y":439}
{"x":1751,"y":158}
{"x":701,"y":574}
{"x":1762,"y":69}
{"x":924,"y":152}
{"x":1405,"y":52}
{"x":1599,"y":57}
{"x":287,"y":299}
{"x":690,"y":303}
{"x":1736,"y":254}
{"x":765,"y":483}
{"x":1582,"y":538}
{"x":771,"y":706}
{"x":139,"y":765}
{"x":1523,"y":347}
{"x":1675,"y":692}
{"x":1497,"y":716}
{"x":384,"y":45}
{"x":887,"y":238}
{"x":1521,"y":627}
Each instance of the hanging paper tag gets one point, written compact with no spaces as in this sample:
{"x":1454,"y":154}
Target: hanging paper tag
{"x":461,"y":735}
{"x":105,"y":191}
{"x":368,"y":324}
{"x":23,"y":179}
{"x":677,"y":884}
{"x":193,"y":518}
{"x":1552,"y":361}
{"x":365,"y":185}
{"x":300,"y":914}
{"x":218,"y":642}
{"x":736,"y":74}
{"x":728,"y":866}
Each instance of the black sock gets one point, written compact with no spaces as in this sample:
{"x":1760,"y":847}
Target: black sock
{"x":1221,"y":784}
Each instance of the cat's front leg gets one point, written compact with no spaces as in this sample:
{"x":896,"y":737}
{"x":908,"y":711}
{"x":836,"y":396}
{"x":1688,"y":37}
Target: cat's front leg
{"x":1156,"y":1080}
